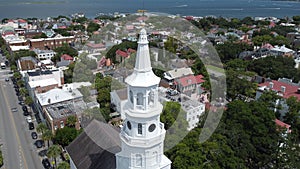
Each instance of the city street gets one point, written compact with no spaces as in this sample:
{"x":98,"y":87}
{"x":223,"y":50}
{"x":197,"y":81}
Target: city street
{"x":18,"y":147}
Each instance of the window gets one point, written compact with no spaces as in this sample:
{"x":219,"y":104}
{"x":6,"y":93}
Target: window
{"x":131,"y":96}
{"x":139,"y":99}
{"x":129,"y":125}
{"x":62,"y":124}
{"x":140,"y":128}
{"x":155,"y":155}
{"x":151,"y":98}
{"x":138,"y":160}
{"x":151,"y":127}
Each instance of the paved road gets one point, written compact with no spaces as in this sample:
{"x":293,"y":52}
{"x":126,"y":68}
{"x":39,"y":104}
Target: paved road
{"x":17,"y":145}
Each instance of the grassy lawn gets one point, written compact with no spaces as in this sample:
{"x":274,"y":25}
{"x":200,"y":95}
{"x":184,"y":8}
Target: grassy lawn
{"x":214,"y":68}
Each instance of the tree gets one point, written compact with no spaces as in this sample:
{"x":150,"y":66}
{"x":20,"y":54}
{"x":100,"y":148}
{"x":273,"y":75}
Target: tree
{"x":65,"y":135}
{"x":275,"y":67}
{"x":1,"y":159}
{"x":47,"y":136}
{"x":53,"y":152}
{"x":170,"y":113}
{"x":92,"y":26}
{"x":41,"y":128}
{"x":230,"y":50}
{"x":17,"y":75}
{"x":23,"y":91}
{"x":28,"y":100}
{"x":71,"y":121}
{"x":20,"y":83}
{"x":63,"y":165}
{"x":238,"y":85}
{"x":65,"y":49}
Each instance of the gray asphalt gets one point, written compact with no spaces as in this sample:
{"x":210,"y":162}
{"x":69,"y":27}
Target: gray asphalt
{"x":17,"y":145}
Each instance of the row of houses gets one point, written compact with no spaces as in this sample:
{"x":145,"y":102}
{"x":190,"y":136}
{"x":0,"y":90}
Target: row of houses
{"x":54,"y":100}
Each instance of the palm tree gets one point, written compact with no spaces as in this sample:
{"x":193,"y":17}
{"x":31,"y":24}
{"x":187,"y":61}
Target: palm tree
{"x":41,"y":128}
{"x":47,"y":136}
{"x":71,"y":121}
{"x":17,"y":75}
{"x":63,"y":165}
{"x":20,"y":83}
{"x":53,"y":152}
{"x":23,"y":91}
{"x":28,"y":100}
{"x":1,"y":159}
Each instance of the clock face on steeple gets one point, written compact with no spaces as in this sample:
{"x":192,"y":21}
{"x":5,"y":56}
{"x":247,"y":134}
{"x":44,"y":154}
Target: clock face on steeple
{"x":151,"y":127}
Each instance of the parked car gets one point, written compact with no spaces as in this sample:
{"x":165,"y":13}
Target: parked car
{"x":20,"y":98}
{"x":39,"y":143}
{"x":26,"y":113}
{"x":28,"y":119}
{"x":46,"y":163}
{"x":24,"y":108}
{"x":34,"y":135}
{"x":31,"y":126}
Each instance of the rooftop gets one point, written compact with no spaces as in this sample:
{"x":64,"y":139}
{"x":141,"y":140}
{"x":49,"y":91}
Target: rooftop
{"x":101,"y":142}
{"x":177,"y":73}
{"x":283,"y":89}
{"x":42,"y":83}
{"x":66,"y":109}
{"x":190,"y":80}
{"x":57,"y":95}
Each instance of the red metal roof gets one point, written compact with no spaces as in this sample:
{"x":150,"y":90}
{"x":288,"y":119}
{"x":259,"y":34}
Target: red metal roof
{"x":199,"y":79}
{"x":131,"y":50}
{"x":190,"y":80}
{"x":94,"y":45}
{"x":66,"y":57}
{"x":121,"y":53}
{"x":290,"y":90}
{"x":283,"y":125}
{"x":22,"y":21}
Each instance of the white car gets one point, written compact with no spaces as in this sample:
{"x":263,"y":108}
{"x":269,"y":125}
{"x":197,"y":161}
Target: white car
{"x":28,"y":119}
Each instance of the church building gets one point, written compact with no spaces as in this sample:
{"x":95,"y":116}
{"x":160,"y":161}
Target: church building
{"x":140,"y":142}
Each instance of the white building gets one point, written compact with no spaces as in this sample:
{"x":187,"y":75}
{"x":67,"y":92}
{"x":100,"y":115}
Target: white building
{"x":174,"y":74}
{"x":118,"y":100}
{"x":44,"y":54}
{"x":194,"y":110}
{"x":142,"y":135}
{"x":281,"y":51}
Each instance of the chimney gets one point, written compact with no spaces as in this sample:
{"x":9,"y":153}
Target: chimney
{"x":49,"y":101}
{"x":282,"y":89}
{"x":271,"y":85}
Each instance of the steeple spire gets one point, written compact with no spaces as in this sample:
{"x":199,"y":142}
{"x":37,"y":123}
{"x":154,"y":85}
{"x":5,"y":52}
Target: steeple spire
{"x":142,"y":75}
{"x":143,"y":63}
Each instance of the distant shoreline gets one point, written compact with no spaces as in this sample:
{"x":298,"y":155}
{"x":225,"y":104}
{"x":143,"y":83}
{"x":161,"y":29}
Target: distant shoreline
{"x":226,"y":9}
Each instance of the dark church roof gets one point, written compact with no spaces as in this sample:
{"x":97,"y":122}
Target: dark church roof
{"x":96,"y":147}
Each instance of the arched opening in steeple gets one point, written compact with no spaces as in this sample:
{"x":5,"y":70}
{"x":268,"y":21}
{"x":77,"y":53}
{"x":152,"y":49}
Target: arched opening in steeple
{"x":151,"y":98}
{"x":140,"y":99}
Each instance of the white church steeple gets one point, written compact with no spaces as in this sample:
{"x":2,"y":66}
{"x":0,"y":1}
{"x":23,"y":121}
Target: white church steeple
{"x":143,"y":134}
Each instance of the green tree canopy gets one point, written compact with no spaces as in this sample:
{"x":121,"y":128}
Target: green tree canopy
{"x":92,"y":26}
{"x":63,"y":165}
{"x":53,"y":152}
{"x":65,"y":135}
